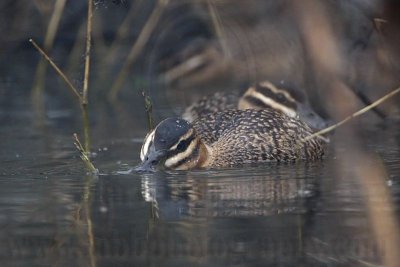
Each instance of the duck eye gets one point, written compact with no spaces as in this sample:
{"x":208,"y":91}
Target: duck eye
{"x":181,"y":145}
{"x":280,"y":97}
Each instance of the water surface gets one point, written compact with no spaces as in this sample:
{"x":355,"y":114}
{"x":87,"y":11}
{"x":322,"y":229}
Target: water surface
{"x":53,"y":214}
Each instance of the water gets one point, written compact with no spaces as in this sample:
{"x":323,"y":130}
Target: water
{"x":317,"y":214}
{"x":53,"y":214}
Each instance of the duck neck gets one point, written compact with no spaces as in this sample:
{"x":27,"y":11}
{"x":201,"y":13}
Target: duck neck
{"x":204,"y":156}
{"x":196,"y":156}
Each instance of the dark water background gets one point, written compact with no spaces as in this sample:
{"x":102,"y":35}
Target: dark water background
{"x":53,"y":214}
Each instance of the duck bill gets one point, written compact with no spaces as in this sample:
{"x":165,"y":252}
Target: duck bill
{"x":151,"y":161}
{"x":311,"y":118}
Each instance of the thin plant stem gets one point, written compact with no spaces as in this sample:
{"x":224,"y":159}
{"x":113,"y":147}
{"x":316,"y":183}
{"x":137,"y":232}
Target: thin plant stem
{"x":87,"y":53}
{"x":138,"y":46}
{"x":85,"y":113}
{"x":148,"y":106}
{"x":85,"y":153}
{"x":354,"y":115}
{"x":84,"y":102}
{"x":58,"y":70}
{"x":84,"y":156}
{"x":82,"y":99}
{"x":86,"y":131}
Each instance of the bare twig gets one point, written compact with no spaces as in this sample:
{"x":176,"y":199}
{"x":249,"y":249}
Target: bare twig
{"x":84,"y":102}
{"x":354,"y":115}
{"x":85,"y":119}
{"x":148,"y":106}
{"x":84,"y":156}
{"x":86,"y":151}
{"x":58,"y":70}
{"x":87,"y":53}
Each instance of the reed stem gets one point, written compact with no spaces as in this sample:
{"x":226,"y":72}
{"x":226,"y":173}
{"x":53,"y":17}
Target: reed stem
{"x":87,"y":53}
{"x":84,"y":99}
{"x":39,"y":80}
{"x":148,"y":106}
{"x":86,"y":128}
{"x":138,"y":46}
{"x":58,"y":70}
{"x":354,"y":115}
{"x":84,"y":156}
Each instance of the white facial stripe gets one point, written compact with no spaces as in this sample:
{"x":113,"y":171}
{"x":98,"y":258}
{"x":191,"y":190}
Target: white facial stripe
{"x":275,"y":105}
{"x":146,"y":144}
{"x":184,"y":137}
{"x":269,"y":85}
{"x":277,"y":90}
{"x":185,"y":154}
{"x":287,"y":95}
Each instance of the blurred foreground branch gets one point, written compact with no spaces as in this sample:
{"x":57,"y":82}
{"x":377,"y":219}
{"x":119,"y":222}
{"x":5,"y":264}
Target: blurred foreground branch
{"x":327,"y":60}
{"x":38,"y":83}
{"x":138,"y":46}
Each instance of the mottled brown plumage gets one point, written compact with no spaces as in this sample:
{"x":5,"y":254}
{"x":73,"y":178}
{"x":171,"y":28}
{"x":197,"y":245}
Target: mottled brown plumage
{"x":263,"y":95}
{"x":229,"y":138}
{"x":215,"y":102}
{"x":250,"y":136}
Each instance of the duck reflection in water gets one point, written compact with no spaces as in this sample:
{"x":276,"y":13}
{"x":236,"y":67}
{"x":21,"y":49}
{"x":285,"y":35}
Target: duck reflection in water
{"x":281,"y":189}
